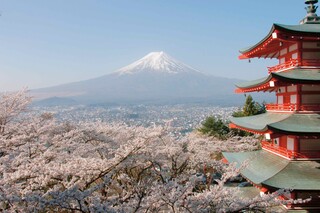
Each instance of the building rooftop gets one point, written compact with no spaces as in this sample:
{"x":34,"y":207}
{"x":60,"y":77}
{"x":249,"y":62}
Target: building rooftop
{"x":268,"y":169}
{"x":290,"y":123}
{"x":272,"y":42}
{"x":295,"y":75}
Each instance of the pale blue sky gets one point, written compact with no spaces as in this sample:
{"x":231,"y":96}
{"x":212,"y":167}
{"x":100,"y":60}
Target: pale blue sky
{"x":45,"y":43}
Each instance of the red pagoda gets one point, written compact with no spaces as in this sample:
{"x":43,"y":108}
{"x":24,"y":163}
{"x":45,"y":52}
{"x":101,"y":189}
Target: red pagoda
{"x":290,"y":154}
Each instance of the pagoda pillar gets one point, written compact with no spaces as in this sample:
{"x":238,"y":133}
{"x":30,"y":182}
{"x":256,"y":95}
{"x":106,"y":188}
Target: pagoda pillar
{"x":298,"y":97}
{"x":300,"y":61}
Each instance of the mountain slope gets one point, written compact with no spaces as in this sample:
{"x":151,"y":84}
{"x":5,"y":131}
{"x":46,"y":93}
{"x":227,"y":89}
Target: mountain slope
{"x":154,"y":78}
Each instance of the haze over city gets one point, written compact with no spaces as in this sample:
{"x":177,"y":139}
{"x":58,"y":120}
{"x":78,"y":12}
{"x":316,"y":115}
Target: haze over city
{"x":51,"y":43}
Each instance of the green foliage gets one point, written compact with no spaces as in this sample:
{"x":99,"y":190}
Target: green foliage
{"x":214,"y":127}
{"x":250,"y":108}
{"x":218,"y":128}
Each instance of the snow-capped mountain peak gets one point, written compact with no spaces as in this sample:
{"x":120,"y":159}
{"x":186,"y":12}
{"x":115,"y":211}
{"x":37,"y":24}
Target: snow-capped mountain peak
{"x":155,"y":78}
{"x":156,"y":62}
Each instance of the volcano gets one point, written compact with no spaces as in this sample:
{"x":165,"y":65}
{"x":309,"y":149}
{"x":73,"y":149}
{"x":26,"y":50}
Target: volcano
{"x":155,"y":78}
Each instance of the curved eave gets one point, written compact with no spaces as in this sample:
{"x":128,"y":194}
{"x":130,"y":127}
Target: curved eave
{"x":310,"y":30}
{"x":271,"y":170}
{"x":251,"y":130}
{"x":255,"y":85}
{"x":297,"y":75}
{"x":251,"y":48}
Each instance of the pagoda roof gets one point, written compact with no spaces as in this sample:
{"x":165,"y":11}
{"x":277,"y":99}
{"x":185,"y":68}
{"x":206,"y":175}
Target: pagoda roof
{"x":298,"y":123}
{"x":300,"y":28}
{"x":298,"y":75}
{"x":254,"y":83}
{"x":272,"y":170}
{"x":291,"y":123}
{"x":295,"y":75}
{"x":307,"y":29}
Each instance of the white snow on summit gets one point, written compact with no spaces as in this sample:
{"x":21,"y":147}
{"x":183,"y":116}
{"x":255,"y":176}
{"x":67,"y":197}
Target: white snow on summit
{"x":157,"y":62}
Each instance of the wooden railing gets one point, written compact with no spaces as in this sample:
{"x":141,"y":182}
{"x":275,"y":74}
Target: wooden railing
{"x":295,"y":63}
{"x":286,"y":65}
{"x":277,"y":149}
{"x":293,"y":107}
{"x":288,"y":153}
{"x":281,"y":107}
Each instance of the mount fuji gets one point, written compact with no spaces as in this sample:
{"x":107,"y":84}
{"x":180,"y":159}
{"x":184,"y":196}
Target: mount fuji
{"x":157,"y":62}
{"x":155,"y":78}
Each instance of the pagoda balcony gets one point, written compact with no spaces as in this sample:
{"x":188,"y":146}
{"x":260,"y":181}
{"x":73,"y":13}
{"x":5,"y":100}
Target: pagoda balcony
{"x":288,"y":153}
{"x":289,"y":64}
{"x":281,"y":107}
{"x":293,"y":107}
{"x":294,"y":63}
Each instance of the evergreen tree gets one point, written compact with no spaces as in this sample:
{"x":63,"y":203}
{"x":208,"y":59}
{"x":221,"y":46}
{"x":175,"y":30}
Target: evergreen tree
{"x":250,"y":108}
{"x":214,"y":127}
{"x":218,"y":128}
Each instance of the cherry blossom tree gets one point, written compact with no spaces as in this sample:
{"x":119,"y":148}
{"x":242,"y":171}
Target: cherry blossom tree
{"x":11,"y":105}
{"x":52,"y":166}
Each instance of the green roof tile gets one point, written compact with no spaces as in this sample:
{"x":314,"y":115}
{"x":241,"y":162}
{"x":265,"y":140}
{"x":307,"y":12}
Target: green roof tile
{"x":284,"y":122}
{"x":300,"y":75}
{"x":269,"y":169}
{"x":253,"y":83}
{"x":299,"y":175}
{"x":298,"y":123}
{"x":296,"y":75}
{"x":259,"y":122}
{"x":301,"y":28}
{"x":262,"y":165}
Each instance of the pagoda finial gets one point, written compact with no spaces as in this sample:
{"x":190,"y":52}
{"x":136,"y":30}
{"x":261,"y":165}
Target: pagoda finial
{"x":311,"y":8}
{"x":311,"y":17}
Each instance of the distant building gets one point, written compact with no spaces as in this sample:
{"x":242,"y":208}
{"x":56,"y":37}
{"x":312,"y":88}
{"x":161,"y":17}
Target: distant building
{"x":290,"y":155}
